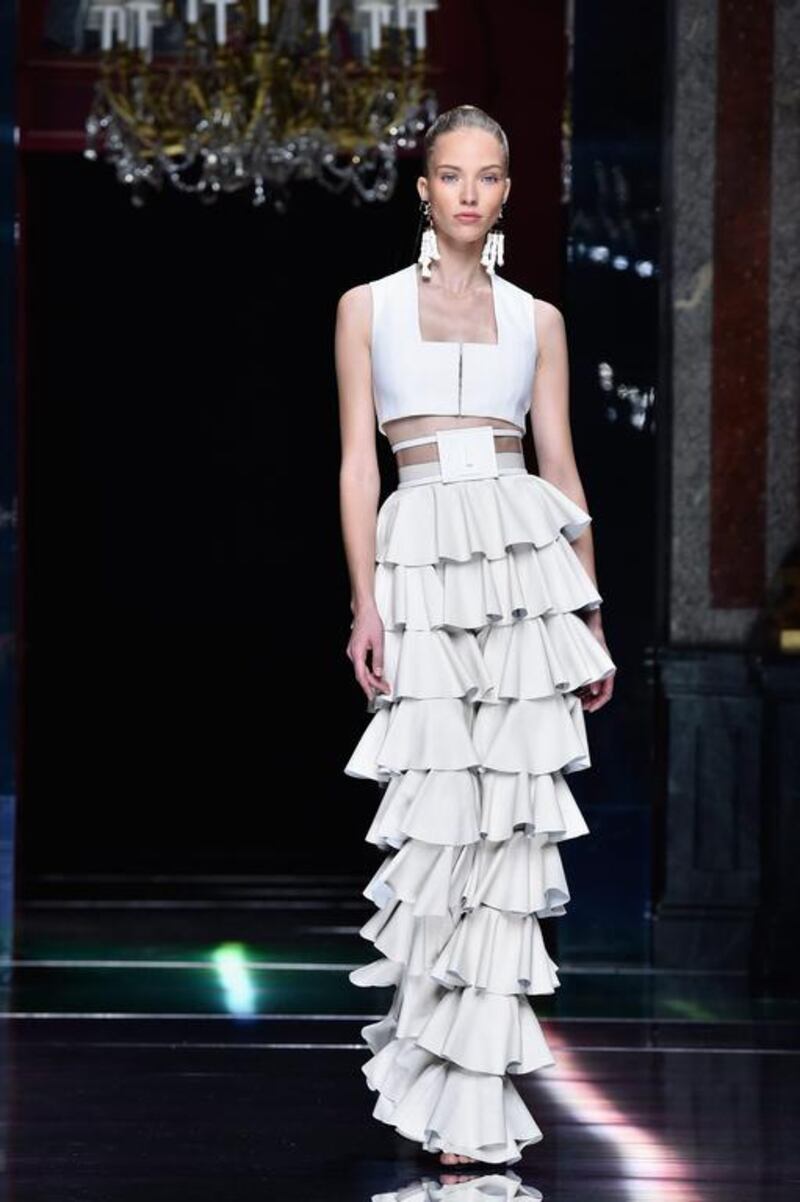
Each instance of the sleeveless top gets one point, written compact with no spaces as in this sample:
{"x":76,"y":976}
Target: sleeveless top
{"x":412,"y":376}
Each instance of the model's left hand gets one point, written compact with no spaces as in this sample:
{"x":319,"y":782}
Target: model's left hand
{"x":595,"y":695}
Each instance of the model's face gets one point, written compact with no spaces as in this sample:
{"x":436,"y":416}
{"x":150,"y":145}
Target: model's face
{"x":466,"y":176}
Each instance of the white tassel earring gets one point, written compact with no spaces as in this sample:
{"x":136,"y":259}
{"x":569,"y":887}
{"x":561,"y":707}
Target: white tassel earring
{"x":494,"y":247}
{"x":429,"y":247}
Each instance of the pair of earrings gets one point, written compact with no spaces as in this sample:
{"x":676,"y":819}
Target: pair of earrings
{"x":493,"y":246}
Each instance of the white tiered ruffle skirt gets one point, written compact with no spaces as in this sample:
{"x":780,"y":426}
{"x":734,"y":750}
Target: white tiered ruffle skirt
{"x":478,"y":589}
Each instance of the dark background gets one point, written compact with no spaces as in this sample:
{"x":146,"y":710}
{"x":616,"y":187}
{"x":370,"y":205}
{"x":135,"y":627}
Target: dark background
{"x":188,"y":702}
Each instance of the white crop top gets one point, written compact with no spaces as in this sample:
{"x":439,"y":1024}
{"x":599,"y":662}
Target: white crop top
{"x":412,"y":376}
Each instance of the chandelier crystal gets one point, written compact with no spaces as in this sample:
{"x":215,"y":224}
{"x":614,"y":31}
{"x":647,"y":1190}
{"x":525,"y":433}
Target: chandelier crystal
{"x":217,"y":96}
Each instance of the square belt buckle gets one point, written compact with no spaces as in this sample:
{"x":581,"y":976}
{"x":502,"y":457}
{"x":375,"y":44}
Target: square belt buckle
{"x":467,"y":454}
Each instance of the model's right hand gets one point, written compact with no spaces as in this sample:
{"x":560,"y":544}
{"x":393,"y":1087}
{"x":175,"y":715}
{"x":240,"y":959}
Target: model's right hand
{"x":367,"y":636}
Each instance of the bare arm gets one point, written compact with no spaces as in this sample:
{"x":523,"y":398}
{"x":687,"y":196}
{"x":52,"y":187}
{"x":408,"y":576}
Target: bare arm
{"x":359,"y":482}
{"x":555,"y":454}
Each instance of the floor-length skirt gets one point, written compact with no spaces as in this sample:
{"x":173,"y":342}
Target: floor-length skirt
{"x":478,"y":588}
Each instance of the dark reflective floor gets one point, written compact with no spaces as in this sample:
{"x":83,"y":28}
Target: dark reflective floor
{"x":205,"y":1044}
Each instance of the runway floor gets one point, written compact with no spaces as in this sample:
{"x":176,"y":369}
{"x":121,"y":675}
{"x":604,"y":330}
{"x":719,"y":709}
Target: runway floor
{"x":200,"y":1039}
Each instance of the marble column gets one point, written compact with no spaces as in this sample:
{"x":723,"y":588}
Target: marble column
{"x":730,"y":405}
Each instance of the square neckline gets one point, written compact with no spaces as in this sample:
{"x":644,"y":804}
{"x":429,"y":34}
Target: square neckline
{"x":453,"y":341}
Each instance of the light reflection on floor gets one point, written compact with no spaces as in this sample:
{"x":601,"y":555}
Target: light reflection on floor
{"x":214,"y":1052}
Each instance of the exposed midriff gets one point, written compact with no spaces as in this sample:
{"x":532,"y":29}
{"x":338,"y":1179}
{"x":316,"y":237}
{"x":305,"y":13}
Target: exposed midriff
{"x":402,"y":428}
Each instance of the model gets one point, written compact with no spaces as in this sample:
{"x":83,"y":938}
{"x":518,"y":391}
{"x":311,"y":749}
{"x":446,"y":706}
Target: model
{"x":477,"y":639}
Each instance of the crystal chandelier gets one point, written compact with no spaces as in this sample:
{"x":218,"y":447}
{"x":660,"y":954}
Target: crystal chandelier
{"x":216,"y":96}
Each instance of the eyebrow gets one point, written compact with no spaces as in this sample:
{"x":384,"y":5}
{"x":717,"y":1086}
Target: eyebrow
{"x":453,"y":167}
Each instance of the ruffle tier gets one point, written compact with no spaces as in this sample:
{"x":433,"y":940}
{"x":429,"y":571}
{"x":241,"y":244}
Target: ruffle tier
{"x":529,"y":660}
{"x":434,"y":523}
{"x":520,"y":875}
{"x":446,"y":1107}
{"x":487,"y":948}
{"x":479,"y":592}
{"x":446,"y":806}
{"x":547,"y":734}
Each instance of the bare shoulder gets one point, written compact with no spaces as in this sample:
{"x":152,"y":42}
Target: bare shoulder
{"x":550,"y":331}
{"x":549,"y":318}
{"x":355,"y":300}
{"x":354,"y":309}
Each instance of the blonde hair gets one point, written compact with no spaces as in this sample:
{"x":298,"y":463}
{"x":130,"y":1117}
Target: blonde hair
{"x":464,"y":116}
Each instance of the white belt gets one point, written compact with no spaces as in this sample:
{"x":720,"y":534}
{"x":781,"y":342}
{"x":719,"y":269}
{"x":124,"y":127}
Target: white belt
{"x":464,"y":454}
{"x":418,"y":442}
